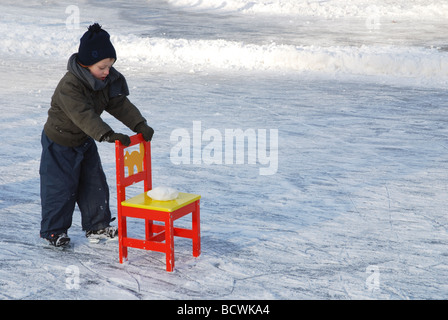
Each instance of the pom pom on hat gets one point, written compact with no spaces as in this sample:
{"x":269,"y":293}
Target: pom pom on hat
{"x":95,"y":46}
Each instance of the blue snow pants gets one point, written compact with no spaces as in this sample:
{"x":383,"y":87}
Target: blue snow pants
{"x":70,"y":176}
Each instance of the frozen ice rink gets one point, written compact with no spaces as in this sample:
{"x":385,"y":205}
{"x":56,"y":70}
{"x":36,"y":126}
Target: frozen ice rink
{"x":356,"y":206}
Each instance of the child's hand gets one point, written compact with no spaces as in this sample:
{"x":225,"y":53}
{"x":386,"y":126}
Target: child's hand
{"x":146,"y":131}
{"x":124,"y":139}
{"x":112,"y":136}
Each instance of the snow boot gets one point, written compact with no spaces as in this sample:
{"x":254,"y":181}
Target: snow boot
{"x":58,"y":240}
{"x":106,"y":233}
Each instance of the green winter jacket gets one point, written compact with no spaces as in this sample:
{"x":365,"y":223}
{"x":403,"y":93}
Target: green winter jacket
{"x":76,"y":108}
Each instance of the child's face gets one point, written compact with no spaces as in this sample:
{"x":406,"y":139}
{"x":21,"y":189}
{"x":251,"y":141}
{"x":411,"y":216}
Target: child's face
{"x":100,"y":70}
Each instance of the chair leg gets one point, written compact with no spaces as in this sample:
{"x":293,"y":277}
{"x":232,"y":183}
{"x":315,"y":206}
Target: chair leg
{"x":149,"y":229}
{"x":169,"y":242}
{"x":196,"y":230}
{"x":122,"y":233}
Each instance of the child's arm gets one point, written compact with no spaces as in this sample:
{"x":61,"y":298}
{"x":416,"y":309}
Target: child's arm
{"x":125,"y":111}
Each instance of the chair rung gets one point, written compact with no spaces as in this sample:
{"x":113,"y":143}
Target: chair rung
{"x":183,"y":233}
{"x":178,"y":232}
{"x":144,"y":244}
{"x":155,"y":242}
{"x":159,"y":237}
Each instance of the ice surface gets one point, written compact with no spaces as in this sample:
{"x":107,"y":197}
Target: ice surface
{"x":357,"y":207}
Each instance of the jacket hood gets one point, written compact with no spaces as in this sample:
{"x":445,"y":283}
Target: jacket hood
{"x":118,"y":84}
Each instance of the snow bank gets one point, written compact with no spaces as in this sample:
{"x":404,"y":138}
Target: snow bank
{"x":420,"y":9}
{"x":365,"y":60}
{"x":183,"y":54}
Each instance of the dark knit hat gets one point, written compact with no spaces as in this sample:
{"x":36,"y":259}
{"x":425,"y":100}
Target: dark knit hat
{"x":95,"y":46}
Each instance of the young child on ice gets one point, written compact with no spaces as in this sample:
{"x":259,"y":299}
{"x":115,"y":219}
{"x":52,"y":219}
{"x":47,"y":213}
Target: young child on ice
{"x":70,"y":169}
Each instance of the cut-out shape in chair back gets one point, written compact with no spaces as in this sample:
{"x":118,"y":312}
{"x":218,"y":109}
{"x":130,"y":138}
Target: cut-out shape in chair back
{"x":134,"y":159}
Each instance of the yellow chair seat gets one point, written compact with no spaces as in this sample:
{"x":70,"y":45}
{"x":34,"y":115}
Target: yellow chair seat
{"x":143,"y":201}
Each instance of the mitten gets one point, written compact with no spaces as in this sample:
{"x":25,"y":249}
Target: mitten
{"x":146,"y":131}
{"x":112,"y":136}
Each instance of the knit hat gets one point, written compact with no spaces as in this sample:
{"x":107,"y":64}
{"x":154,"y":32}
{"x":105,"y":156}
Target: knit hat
{"x":95,"y":46}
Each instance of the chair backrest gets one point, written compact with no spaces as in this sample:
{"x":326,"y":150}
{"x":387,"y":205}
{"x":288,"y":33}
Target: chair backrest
{"x":137,"y":162}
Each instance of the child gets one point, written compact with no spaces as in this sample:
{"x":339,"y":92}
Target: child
{"x":70,"y":168}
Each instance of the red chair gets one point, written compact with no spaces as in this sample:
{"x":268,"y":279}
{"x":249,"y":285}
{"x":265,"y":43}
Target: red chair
{"x":158,"y":236}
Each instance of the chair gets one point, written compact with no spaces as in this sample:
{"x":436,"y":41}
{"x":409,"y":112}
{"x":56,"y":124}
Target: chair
{"x":158,"y":236}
